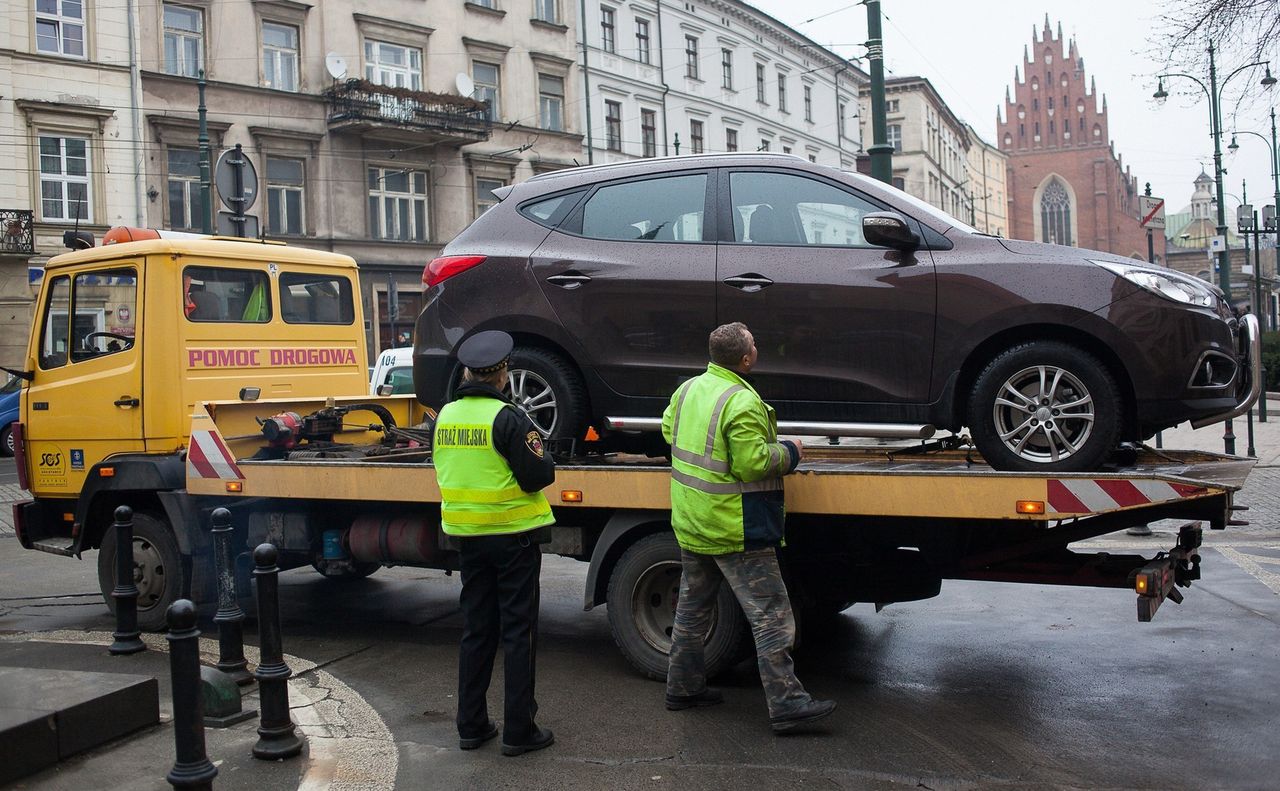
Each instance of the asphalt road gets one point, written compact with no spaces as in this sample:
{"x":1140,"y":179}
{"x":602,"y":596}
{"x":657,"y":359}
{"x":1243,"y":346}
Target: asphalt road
{"x":985,"y":686}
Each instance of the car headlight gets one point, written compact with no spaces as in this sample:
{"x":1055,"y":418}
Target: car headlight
{"x":1173,"y":286}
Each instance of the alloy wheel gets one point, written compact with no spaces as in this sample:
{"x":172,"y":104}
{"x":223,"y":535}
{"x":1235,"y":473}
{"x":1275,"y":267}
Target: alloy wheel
{"x":534,"y":395}
{"x":1043,"y":413}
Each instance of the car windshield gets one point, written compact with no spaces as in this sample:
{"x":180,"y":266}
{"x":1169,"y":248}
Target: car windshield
{"x":917,"y":204}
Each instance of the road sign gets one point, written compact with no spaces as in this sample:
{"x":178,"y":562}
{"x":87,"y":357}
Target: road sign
{"x":237,"y":180}
{"x":1152,"y":211}
{"x":228,"y":225}
{"x":1217,"y":244}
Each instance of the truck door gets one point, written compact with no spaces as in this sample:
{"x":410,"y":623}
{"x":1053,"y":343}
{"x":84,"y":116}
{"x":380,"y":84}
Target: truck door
{"x":85,"y":400}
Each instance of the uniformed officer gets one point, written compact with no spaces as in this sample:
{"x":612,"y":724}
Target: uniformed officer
{"x":727,"y":511}
{"x":492,"y":467}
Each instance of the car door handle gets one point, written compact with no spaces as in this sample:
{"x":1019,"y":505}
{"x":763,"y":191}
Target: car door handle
{"x":569,"y":280}
{"x":749,"y":282}
{"x":127,"y":401}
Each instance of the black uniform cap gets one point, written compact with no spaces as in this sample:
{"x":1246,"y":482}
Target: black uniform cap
{"x":486,"y":352}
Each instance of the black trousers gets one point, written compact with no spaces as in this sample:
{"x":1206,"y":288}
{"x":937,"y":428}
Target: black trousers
{"x":499,"y":597}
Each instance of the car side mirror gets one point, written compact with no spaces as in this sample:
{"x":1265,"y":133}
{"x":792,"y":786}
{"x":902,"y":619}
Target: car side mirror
{"x":889,"y":229}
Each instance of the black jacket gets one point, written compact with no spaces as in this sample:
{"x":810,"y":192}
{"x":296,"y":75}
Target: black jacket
{"x":517,"y":440}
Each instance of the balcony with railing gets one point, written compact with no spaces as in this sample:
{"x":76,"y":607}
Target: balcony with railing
{"x":361,"y":107}
{"x":16,"y":234}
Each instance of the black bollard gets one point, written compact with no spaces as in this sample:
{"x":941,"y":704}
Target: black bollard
{"x":128,"y":640}
{"x":276,"y":737}
{"x":229,"y":617}
{"x":192,"y":769}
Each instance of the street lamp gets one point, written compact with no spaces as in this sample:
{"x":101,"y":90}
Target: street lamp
{"x":1275,"y":175}
{"x":1215,"y":124}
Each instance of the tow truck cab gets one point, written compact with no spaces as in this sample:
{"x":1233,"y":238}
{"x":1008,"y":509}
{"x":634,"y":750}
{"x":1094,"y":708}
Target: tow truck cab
{"x":130,"y":336}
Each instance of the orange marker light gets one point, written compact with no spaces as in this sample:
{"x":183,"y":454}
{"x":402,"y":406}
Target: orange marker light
{"x":107,"y":472}
{"x":235,"y":486}
{"x":570,"y":496}
{"x":68,"y":517}
{"x":1140,"y":583}
{"x":1030,"y":506}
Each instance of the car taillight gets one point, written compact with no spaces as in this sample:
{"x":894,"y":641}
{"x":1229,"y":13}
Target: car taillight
{"x":20,"y":456}
{"x":445,"y":267}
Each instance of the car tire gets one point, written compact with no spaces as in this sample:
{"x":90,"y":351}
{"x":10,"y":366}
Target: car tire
{"x":550,"y":391}
{"x":6,"y":440}
{"x":345,"y":572}
{"x":643,"y":590}
{"x":1045,"y":406}
{"x":159,"y":572}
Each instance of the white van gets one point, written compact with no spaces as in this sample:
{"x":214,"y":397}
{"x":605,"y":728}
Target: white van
{"x":395,"y":368}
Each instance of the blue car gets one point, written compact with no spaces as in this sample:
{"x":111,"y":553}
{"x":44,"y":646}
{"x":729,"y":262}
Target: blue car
{"x":9,"y":398}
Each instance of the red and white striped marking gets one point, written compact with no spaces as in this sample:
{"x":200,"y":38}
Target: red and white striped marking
{"x":1083,"y":495}
{"x":208,"y":457}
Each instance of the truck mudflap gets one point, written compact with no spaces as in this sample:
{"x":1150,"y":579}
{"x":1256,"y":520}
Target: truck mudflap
{"x":1161,"y":578}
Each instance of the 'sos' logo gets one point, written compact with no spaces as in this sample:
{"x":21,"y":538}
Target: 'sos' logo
{"x":51,"y":459}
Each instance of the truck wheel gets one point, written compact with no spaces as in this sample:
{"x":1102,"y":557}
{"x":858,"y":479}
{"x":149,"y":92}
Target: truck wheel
{"x":550,"y":391}
{"x":643,"y":590}
{"x":157,"y":569}
{"x":345,"y":571}
{"x":1045,"y":406}
{"x":6,"y":440}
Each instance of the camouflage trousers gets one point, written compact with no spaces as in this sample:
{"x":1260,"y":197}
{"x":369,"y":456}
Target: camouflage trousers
{"x":757,"y":583}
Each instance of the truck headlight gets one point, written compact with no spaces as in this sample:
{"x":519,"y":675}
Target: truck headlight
{"x":1173,"y":286}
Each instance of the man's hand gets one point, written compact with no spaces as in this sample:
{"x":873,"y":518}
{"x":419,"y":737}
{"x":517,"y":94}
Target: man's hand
{"x":799,"y":448}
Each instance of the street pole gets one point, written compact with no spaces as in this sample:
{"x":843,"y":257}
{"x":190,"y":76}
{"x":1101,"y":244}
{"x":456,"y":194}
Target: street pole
{"x":206,"y":169}
{"x":1224,"y":255}
{"x":1151,"y":244}
{"x":880,"y":150}
{"x":1275,"y":175}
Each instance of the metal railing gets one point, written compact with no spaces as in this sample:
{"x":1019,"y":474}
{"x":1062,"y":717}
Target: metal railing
{"x":16,"y":234}
{"x":359,"y":100}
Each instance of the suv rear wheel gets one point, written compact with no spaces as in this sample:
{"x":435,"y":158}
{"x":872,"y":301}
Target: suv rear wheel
{"x":549,"y":390}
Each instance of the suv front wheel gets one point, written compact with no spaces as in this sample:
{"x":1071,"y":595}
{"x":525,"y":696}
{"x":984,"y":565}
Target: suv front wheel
{"x":1045,"y":406}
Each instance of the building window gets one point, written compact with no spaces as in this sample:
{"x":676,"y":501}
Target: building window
{"x":607,"y":41}
{"x":731,"y":140}
{"x":786,"y":149}
{"x":691,"y":57}
{"x":60,"y":27}
{"x":894,"y":137}
{"x":760,"y":83}
{"x":726,"y":68}
{"x":485,"y":199}
{"x":782,"y":92}
{"x":1055,"y":214}
{"x":183,"y":40}
{"x":392,"y":65}
{"x":279,"y":56}
{"x":485,"y":77}
{"x":546,"y":11}
{"x":64,"y":179}
{"x":840,"y":109}
{"x":551,"y":102}
{"x":398,"y":204}
{"x":613,"y":126}
{"x":286,"y":179}
{"x":485,"y":3}
{"x":696,"y":137}
{"x":764,"y":144}
{"x":808,"y":103}
{"x":186,"y":212}
{"x":891,"y":106}
{"x":900,"y":183}
{"x":649,"y":133}
{"x":642,"y":40}
{"x":813,"y":158}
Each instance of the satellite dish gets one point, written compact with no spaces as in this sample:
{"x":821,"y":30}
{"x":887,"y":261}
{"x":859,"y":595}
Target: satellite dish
{"x":466,"y":85}
{"x":336,"y":64}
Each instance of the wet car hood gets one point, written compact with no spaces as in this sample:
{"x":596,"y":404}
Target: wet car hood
{"x":1060,"y":252}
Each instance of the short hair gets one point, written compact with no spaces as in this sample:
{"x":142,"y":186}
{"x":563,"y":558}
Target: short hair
{"x":728,"y":344}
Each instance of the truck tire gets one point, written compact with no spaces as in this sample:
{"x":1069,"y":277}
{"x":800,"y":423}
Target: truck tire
{"x":158,"y":569}
{"x":643,"y":590}
{"x":550,"y":391}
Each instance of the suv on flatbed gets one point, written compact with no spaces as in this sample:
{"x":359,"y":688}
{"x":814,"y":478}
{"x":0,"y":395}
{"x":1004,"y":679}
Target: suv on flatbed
{"x":868,"y":306}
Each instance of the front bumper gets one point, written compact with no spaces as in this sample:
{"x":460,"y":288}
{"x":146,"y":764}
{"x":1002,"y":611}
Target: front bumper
{"x":1250,"y":362}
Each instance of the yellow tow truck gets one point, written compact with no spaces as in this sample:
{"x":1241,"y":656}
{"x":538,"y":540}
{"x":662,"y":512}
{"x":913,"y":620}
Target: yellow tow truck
{"x":199,"y":373}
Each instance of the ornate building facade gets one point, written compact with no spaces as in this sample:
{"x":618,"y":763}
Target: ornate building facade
{"x":1066,"y":185}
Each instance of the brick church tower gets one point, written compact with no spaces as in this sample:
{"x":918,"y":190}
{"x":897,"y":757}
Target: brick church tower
{"x":1066,"y":184}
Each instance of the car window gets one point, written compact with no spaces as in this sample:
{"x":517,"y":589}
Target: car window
{"x":780,"y":208}
{"x":551,"y":211}
{"x":315,"y":299}
{"x":653,"y":210}
{"x":215,"y":294}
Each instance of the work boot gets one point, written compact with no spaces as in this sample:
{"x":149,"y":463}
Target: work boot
{"x":542,"y":737}
{"x":707,"y":697}
{"x":810,"y":712}
{"x":472,"y":742}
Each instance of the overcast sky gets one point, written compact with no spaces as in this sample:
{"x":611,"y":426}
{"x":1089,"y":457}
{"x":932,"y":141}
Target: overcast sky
{"x":968,"y":50}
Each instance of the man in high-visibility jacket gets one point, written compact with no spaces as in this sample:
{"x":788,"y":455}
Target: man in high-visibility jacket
{"x":727,"y":511}
{"x":491,"y":467}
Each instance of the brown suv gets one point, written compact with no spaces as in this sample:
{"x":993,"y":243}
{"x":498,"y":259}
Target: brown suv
{"x":868,"y":307}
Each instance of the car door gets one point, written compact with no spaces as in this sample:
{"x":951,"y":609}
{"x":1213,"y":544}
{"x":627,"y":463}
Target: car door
{"x":630,"y":276}
{"x":839,"y":324}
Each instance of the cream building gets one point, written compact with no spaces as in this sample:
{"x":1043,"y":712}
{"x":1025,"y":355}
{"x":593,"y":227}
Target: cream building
{"x":69,"y":138}
{"x":985,"y":202}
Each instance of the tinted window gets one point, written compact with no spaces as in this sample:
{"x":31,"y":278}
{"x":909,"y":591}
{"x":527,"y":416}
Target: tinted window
{"x":550,"y":211}
{"x":315,"y":299}
{"x":778,"y":208}
{"x":661,"y":210}
{"x":226,"y":295}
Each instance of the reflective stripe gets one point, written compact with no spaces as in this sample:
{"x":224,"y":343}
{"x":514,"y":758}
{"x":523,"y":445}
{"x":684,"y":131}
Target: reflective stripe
{"x":706,"y":461}
{"x":675,"y":419}
{"x":494,"y":518}
{"x":481,"y":495}
{"x":767,"y":485}
{"x":715,"y":418}
{"x":775,"y":460}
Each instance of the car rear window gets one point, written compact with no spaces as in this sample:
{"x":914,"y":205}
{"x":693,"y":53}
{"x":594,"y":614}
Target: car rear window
{"x":651,"y":210}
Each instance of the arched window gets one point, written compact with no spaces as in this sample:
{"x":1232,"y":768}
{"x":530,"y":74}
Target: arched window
{"x":1055,"y":214}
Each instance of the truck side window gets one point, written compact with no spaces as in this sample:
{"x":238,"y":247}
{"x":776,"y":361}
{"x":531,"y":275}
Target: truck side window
{"x":55,"y":336}
{"x":216,"y":294}
{"x":95,"y":318}
{"x":316,"y":299}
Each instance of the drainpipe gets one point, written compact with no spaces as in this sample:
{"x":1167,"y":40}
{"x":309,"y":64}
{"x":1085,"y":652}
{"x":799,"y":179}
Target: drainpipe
{"x":135,"y":121}
{"x":662,"y":77}
{"x":840,"y":137}
{"x":586,"y":78}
